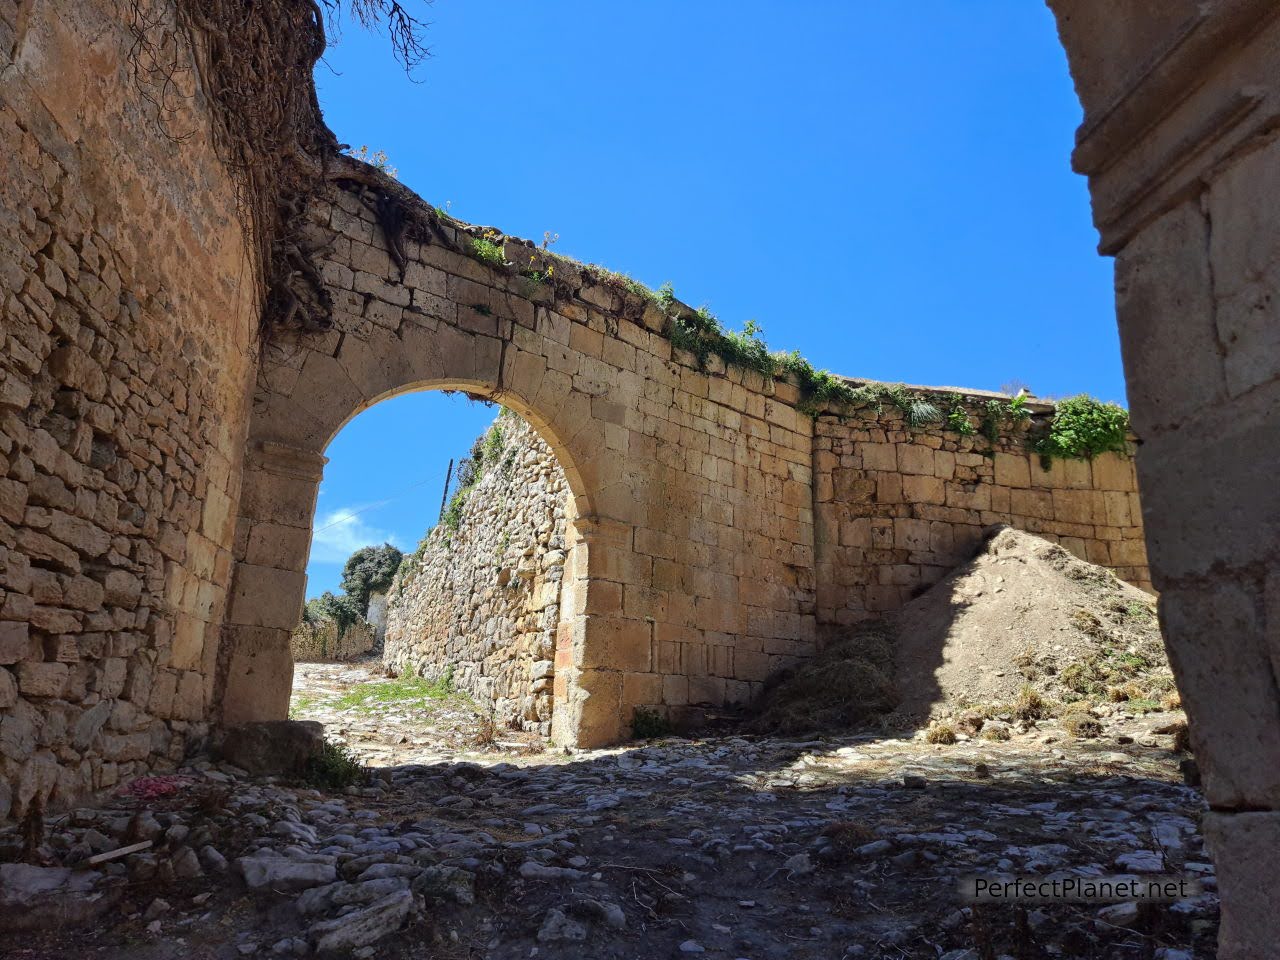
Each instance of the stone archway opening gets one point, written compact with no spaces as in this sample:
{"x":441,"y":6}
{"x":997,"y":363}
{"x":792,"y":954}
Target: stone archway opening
{"x":489,"y":602}
{"x":470,"y":601}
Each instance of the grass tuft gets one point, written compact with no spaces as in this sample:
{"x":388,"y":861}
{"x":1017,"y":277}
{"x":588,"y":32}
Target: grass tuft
{"x":334,"y":768}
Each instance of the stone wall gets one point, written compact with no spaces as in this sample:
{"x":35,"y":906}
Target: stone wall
{"x":1182,"y":104}
{"x":324,"y":641}
{"x":692,"y":486}
{"x":129,"y":314}
{"x":693,"y":482}
{"x":896,"y":508}
{"x":481,"y":603}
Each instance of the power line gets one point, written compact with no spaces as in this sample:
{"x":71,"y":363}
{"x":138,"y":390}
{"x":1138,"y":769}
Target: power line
{"x":373,"y":506}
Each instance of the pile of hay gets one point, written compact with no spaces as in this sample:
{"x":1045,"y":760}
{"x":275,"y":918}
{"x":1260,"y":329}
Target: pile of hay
{"x":849,"y":685}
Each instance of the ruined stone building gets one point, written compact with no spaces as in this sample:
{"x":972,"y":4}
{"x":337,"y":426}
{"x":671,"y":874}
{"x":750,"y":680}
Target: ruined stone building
{"x":186,"y":328}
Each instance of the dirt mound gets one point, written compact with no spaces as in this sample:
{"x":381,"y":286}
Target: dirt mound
{"x":1023,"y":612}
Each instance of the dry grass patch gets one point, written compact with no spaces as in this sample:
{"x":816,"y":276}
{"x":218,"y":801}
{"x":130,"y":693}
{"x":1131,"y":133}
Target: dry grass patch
{"x":1030,"y":705}
{"x":848,"y":684}
{"x":942,"y":733}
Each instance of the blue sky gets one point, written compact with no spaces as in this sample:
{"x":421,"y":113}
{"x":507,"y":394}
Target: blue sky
{"x":884,"y":186}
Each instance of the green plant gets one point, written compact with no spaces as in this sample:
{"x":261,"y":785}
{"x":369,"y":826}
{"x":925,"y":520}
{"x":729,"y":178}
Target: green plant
{"x":452,"y":517}
{"x":377,"y":159}
{"x":406,"y":690}
{"x":649,"y":724}
{"x":491,"y":444}
{"x":484,"y":248}
{"x":1080,"y":723}
{"x":334,"y":767}
{"x":1018,"y":411}
{"x":1030,"y":705}
{"x":1082,"y":428}
{"x":958,"y":419}
{"x":342,"y":610}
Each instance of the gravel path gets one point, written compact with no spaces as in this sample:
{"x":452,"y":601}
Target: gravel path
{"x":729,"y":847}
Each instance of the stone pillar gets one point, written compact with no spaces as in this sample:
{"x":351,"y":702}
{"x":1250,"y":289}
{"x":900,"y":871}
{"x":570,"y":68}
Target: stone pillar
{"x":1182,"y":103}
{"x":273,"y":539}
{"x":596,"y":646}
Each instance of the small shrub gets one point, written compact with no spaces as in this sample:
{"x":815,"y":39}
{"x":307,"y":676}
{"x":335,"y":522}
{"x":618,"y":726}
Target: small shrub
{"x":1085,"y":678}
{"x":649,"y":724}
{"x":342,"y":610}
{"x":970,"y":722}
{"x":1082,"y":428}
{"x":1025,"y":661}
{"x":942,"y":733}
{"x":1172,"y":700}
{"x":1030,"y":705}
{"x":485,"y":736}
{"x":334,"y":768}
{"x":958,"y":420}
{"x":377,"y":159}
{"x":1017,"y":411}
{"x":846,"y":836}
{"x":1087,"y":623}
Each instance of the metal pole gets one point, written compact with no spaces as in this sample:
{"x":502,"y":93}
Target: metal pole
{"x":444,"y":496}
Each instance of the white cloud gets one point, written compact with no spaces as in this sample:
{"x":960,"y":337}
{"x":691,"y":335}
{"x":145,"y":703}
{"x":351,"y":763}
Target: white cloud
{"x":340,"y":533}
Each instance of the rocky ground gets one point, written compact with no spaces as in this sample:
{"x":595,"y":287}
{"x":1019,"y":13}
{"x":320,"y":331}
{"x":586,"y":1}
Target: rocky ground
{"x":730,"y":847}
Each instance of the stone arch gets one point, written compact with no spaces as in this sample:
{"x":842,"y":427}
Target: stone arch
{"x":284,"y":466}
{"x":458,"y":334}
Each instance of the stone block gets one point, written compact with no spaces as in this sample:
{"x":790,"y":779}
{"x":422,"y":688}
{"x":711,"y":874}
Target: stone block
{"x":1246,"y":854}
{"x":271,"y":748}
{"x":15,"y":642}
{"x":266,"y":597}
{"x":641,"y":689}
{"x":913,"y":458}
{"x":36,"y":679}
{"x":921,"y":489}
{"x":1216,"y":638}
{"x":1013,"y":470}
{"x":1173,"y":368}
{"x":1245,"y":267}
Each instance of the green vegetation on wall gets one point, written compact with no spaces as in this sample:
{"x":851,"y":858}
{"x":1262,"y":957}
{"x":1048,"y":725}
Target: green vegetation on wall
{"x":486,"y":454}
{"x":341,"y":609}
{"x":1081,"y":427}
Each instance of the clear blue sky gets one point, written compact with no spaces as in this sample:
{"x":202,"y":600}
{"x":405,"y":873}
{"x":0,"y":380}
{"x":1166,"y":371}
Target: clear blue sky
{"x":885,"y":186}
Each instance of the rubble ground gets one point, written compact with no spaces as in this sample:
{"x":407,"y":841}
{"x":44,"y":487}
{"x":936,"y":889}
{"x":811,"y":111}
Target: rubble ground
{"x":731,"y":846}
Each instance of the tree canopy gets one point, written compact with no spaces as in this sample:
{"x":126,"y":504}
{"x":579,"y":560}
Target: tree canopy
{"x":369,"y":570}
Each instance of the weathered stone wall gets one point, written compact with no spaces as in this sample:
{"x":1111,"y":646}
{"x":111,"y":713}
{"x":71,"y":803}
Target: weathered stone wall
{"x":325,"y":641}
{"x":692,"y":487}
{"x":128,"y":320}
{"x":1182,"y":103}
{"x":896,"y":507}
{"x":481,"y":603}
